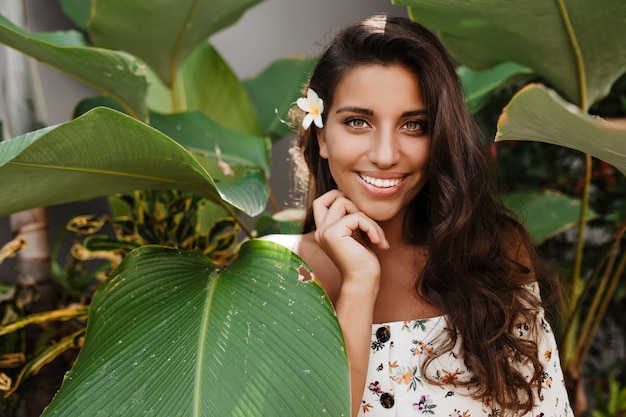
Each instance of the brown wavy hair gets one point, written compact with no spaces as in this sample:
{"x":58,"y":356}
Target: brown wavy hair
{"x":479,"y":255}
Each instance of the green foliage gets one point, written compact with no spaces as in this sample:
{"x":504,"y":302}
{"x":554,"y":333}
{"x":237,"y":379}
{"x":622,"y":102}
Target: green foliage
{"x":479,"y":85}
{"x":164,"y":34}
{"x":96,"y":149}
{"x":576,"y":45}
{"x":538,"y":114}
{"x":214,"y":143}
{"x":178,"y":125}
{"x":219,"y":341}
{"x":115,"y":73}
{"x":614,"y":403}
{"x":276,"y":89}
{"x":575,"y":48}
{"x":219,"y":94}
{"x":546,"y":214}
{"x":168,"y":218}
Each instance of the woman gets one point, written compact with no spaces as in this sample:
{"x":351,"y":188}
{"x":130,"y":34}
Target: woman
{"x":434,"y":284}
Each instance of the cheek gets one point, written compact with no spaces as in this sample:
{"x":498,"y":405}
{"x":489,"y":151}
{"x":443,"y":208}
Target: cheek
{"x":421,"y":156}
{"x":342,"y":154}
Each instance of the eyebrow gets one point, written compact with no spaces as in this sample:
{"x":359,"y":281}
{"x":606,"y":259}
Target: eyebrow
{"x":353,"y":109}
{"x":369,"y":112}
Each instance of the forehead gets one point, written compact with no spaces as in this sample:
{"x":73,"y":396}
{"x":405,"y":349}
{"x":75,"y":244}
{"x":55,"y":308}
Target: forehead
{"x":378,"y":85}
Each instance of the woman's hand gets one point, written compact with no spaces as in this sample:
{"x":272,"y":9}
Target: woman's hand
{"x":346,"y":235}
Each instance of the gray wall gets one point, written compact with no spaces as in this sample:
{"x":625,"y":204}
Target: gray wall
{"x":270,"y":30}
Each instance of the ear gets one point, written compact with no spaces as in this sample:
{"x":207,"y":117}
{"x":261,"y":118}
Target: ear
{"x":321,"y":141}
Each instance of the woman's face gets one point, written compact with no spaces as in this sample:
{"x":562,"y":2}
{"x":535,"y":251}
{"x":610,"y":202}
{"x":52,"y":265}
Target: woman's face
{"x":376,"y":139}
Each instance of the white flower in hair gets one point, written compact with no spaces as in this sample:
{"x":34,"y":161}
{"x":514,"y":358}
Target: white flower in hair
{"x":313,"y":105}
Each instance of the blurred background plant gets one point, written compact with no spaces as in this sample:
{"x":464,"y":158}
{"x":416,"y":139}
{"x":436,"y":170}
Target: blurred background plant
{"x":219,"y":167}
{"x":200,"y":195}
{"x":557,"y":108}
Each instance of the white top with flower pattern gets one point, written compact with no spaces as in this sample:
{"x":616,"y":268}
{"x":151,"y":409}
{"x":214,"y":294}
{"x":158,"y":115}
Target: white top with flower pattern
{"x":395,"y":386}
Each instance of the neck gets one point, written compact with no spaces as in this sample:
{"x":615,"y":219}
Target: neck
{"x":394,"y":233}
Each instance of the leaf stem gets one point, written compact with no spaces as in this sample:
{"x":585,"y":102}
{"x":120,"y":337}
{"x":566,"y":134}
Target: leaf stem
{"x":576,"y":279}
{"x":39,"y":318}
{"x":46,"y":356}
{"x":580,"y":63}
{"x":596,"y":316}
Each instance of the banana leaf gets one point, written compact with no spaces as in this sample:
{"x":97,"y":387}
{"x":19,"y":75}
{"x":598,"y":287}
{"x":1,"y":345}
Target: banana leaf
{"x":96,"y":155}
{"x":576,"y":45}
{"x":206,"y":83}
{"x":546,"y":213}
{"x":116,"y":74}
{"x":478,"y":85}
{"x":198,"y":133}
{"x":275,"y":90}
{"x":163,"y":33}
{"x":171,"y":335}
{"x":537,"y":113}
{"x":77,"y":11}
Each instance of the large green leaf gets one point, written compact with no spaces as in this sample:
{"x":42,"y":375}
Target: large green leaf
{"x":196,"y":132}
{"x":203,"y":137}
{"x":208,"y":84}
{"x":104,"y":152}
{"x":546,"y":213}
{"x":276,"y":89}
{"x":168,"y":335}
{"x":537,"y":113}
{"x":478,"y":85}
{"x":114,"y":73}
{"x":162,"y":33}
{"x":77,"y":11}
{"x":577,"y":45}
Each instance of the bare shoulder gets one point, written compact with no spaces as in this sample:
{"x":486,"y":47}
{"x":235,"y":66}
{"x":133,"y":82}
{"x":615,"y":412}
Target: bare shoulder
{"x":305,"y":246}
{"x":291,"y":242}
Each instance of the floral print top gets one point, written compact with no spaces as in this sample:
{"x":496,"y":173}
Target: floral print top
{"x":396,"y":387}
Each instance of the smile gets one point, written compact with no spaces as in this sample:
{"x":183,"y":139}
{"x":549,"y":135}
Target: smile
{"x":381,"y":183}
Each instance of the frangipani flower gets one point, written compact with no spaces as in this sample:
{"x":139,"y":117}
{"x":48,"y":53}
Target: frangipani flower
{"x":313,"y":105}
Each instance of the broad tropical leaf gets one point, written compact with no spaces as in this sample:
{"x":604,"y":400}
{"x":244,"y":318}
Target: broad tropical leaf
{"x":477,"y":85}
{"x":546,"y":213}
{"x":537,"y":113}
{"x":196,"y":132}
{"x":208,"y":84}
{"x":577,"y":45}
{"x":114,"y":73}
{"x":162,"y":33}
{"x":276,"y":89}
{"x":96,"y":154}
{"x":170,"y":335}
{"x":77,"y":11}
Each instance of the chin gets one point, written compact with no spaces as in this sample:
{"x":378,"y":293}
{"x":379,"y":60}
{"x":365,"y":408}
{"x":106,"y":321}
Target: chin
{"x":380,"y":216}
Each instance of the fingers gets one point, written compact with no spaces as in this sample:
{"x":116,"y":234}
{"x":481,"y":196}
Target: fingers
{"x":337,"y":217}
{"x":322,"y":205}
{"x":354,"y":225}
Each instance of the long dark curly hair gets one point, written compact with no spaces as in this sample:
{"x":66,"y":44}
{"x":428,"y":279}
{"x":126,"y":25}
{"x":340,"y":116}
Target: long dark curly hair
{"x":478,"y":254}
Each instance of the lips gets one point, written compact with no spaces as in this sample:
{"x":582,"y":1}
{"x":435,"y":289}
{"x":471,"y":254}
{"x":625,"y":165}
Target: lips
{"x":381,"y":182}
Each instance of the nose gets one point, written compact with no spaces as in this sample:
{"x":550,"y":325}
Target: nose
{"x":384,"y":149}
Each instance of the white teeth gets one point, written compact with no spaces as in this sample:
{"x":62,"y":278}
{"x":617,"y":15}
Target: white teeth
{"x":380,"y":183}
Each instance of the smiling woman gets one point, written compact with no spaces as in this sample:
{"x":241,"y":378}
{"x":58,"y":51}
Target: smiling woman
{"x":376,"y":140}
{"x":435,"y":285}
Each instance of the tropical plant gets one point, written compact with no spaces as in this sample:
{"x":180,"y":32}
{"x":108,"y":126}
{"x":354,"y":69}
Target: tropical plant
{"x":173,"y":331}
{"x":613,"y":404}
{"x":574,"y":48}
{"x":180,"y":328}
